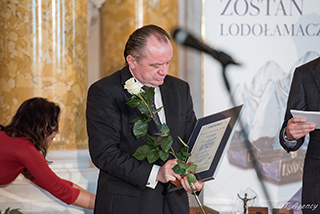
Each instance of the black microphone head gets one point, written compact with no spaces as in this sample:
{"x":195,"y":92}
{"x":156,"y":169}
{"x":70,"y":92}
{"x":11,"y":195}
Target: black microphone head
{"x":180,"y":36}
{"x":186,"y":39}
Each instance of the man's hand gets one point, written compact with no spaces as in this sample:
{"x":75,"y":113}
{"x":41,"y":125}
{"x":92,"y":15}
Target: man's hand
{"x":166,"y":173}
{"x":197,"y":186}
{"x":296,"y":130}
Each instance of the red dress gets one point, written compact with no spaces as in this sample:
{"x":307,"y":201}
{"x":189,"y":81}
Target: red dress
{"x":19,"y":153}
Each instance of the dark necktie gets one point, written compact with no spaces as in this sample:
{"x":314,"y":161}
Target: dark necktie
{"x":156,"y":116}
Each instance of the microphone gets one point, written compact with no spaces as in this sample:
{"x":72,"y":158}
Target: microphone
{"x":184,"y":38}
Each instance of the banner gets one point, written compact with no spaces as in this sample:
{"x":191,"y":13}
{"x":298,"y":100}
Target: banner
{"x":269,"y":38}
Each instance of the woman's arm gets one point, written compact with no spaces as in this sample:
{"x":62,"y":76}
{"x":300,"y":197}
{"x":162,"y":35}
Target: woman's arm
{"x":45,"y":178}
{"x":85,"y":198}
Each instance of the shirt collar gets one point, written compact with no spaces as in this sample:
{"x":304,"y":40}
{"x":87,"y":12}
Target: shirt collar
{"x":135,"y":78}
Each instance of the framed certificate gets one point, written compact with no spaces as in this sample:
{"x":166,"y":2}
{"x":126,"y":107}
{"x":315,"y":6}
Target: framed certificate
{"x":209,"y":142}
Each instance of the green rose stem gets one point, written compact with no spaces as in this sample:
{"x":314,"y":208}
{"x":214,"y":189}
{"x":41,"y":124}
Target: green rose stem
{"x":197,"y":199}
{"x":165,"y":140}
{"x":190,"y":183}
{"x":146,"y":104}
{"x":173,"y":153}
{"x":150,"y":112}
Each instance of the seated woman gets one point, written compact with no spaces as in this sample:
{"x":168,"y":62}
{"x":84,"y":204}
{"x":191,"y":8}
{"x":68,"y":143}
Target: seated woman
{"x":24,"y":144}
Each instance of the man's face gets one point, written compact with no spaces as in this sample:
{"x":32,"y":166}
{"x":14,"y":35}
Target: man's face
{"x":153,"y":66}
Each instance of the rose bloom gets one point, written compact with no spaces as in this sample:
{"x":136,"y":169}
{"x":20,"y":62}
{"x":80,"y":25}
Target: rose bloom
{"x":132,"y":86}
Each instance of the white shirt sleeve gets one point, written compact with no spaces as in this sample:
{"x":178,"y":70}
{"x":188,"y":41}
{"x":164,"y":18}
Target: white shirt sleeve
{"x":152,"y":183}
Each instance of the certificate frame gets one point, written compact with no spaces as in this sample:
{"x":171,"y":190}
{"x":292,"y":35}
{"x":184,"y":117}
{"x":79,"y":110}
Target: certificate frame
{"x":234,"y":114}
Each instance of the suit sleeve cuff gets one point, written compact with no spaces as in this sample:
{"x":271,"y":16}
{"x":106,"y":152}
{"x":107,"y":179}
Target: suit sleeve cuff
{"x":289,"y":143}
{"x":152,"y":183}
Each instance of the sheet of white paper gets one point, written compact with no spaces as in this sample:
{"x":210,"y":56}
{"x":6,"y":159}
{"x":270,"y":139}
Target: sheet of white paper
{"x":207,"y":144}
{"x":311,"y":116}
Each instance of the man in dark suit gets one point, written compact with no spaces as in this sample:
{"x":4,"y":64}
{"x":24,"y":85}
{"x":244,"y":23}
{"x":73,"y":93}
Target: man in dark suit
{"x":305,"y":95}
{"x":127,"y":185}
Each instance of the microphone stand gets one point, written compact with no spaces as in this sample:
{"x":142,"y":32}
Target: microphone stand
{"x":225,"y":61}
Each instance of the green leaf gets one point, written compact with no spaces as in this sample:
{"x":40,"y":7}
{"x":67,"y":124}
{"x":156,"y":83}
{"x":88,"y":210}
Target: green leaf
{"x":180,"y":156}
{"x":182,"y":164}
{"x":141,"y":117}
{"x":153,"y":148}
{"x":165,"y":129}
{"x":163,"y":155}
{"x":150,"y":139}
{"x":159,"y":140}
{"x":143,"y":95}
{"x":151,"y":107}
{"x":156,"y":110}
{"x":143,"y":108}
{"x":177,"y":169}
{"x":7,"y":211}
{"x":191,"y":168}
{"x":15,"y":211}
{"x":185,"y":152}
{"x":141,"y":152}
{"x":167,"y":143}
{"x":140,"y":128}
{"x":153,"y":156}
{"x":149,"y":93}
{"x":133,"y":102}
{"x":191,"y":178}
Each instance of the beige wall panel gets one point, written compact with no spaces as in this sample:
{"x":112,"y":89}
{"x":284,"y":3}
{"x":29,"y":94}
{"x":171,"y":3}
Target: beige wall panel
{"x":117,"y":23}
{"x":43,"y":52}
{"x":164,"y":13}
{"x":119,"y":19}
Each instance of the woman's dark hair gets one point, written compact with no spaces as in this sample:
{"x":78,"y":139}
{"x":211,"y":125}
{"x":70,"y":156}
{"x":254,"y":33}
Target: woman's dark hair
{"x":136,"y":43}
{"x":35,"y":119}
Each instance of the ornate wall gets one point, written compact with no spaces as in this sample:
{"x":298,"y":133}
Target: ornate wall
{"x":43,"y":52}
{"x":120,"y":18}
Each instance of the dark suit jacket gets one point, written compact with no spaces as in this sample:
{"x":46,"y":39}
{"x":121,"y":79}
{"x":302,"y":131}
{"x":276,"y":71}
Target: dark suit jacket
{"x":305,"y":95}
{"x":122,"y":178}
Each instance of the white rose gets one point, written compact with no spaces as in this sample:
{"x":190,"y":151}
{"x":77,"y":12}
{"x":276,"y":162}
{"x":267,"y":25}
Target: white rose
{"x":132,"y":86}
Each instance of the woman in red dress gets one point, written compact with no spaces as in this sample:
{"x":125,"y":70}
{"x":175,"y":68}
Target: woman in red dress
{"x":24,"y":143}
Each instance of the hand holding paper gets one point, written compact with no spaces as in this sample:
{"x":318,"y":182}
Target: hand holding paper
{"x":311,"y":116}
{"x":301,"y":124}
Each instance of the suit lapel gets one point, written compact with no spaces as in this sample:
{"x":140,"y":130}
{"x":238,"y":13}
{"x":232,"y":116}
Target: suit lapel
{"x":170,"y":99}
{"x":167,"y":98}
{"x":125,"y":75}
{"x":316,"y":76}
